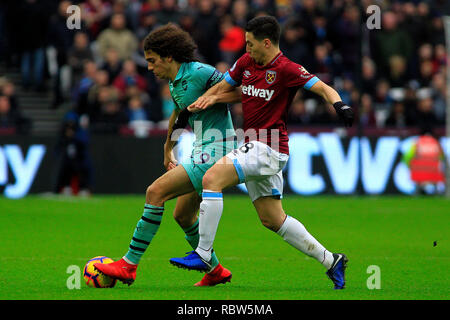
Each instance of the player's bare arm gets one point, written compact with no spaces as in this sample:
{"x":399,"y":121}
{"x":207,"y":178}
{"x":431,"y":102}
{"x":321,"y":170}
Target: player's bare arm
{"x":331,"y":96}
{"x":222,"y":92}
{"x":169,"y":159}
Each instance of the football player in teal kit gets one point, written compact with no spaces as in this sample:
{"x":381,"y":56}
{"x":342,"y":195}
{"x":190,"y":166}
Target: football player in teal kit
{"x":169,"y":52}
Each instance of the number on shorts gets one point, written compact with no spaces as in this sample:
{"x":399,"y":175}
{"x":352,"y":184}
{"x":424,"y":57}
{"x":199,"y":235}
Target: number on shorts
{"x":246,"y":147}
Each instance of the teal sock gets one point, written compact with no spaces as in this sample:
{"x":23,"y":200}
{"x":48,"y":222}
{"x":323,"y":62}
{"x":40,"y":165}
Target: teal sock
{"x":145,"y":230}
{"x":192,"y":236}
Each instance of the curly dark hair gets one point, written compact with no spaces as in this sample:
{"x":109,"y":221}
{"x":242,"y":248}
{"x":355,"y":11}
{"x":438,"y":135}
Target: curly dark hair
{"x":171,"y":40}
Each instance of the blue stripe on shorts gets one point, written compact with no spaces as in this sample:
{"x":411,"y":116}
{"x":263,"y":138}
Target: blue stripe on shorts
{"x":239,"y":171}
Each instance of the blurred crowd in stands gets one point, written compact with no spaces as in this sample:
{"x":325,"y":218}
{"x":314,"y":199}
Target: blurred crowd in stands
{"x":393,"y":77}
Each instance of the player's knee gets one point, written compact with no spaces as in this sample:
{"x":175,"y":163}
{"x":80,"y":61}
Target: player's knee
{"x":179,"y":218}
{"x":269,"y":224}
{"x":209,"y":181}
{"x":155,"y":193}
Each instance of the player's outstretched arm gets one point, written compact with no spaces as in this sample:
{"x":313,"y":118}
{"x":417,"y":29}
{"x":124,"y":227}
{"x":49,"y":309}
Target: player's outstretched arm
{"x":222,"y":92}
{"x":331,"y":96}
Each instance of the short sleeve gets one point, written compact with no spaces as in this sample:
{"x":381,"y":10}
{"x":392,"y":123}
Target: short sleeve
{"x":297,"y":76}
{"x":234,"y":75}
{"x":207,"y":75}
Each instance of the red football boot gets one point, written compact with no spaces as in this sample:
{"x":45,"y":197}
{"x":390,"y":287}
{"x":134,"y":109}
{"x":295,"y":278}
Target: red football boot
{"x":120,"y":270}
{"x":218,"y":275}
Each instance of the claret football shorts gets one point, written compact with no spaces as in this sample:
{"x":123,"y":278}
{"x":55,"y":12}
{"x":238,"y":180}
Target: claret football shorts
{"x":260,"y":168}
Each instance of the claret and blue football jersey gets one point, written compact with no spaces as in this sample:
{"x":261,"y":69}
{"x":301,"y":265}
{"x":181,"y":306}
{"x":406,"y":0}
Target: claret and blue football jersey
{"x":267,"y":93}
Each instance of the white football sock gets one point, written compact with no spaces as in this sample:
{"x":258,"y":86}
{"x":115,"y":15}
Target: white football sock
{"x":211,"y":209}
{"x":294,"y":233}
{"x":128,"y":261}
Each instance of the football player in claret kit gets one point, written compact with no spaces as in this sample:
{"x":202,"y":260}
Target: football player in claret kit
{"x":169,"y":51}
{"x":269,"y":82}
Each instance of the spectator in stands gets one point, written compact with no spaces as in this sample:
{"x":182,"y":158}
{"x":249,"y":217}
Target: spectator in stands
{"x":112,"y":64}
{"x":117,"y":37}
{"x":308,"y":11}
{"x":297,"y":113}
{"x":94,"y":12}
{"x":206,"y":31}
{"x":60,"y":38}
{"x":92,"y":106}
{"x":425,"y":114}
{"x":8,"y":89}
{"x":266,"y":6}
{"x":128,"y":78}
{"x":74,"y":163}
{"x":11,"y":120}
{"x":323,"y":115}
{"x":368,"y":81}
{"x":8,"y":119}
{"x":437,"y":34}
{"x":136,"y":110}
{"x":323,"y":65}
{"x":111,"y":117}
{"x":415,"y":24}
{"x":240,"y":12}
{"x":367,"y":112}
{"x":293,"y":47}
{"x":86,"y":82}
{"x":390,"y":41}
{"x":147,"y":22}
{"x":346,"y":91}
{"x":398,"y":117}
{"x":187,"y":20}
{"x":439,"y":93}
{"x":236,"y":115}
{"x":31,"y":33}
{"x":233,"y":40}
{"x":426,"y":73}
{"x":78,"y":53}
{"x":408,"y":53}
{"x":398,"y":68}
{"x":439,"y":58}
{"x":382,"y":99}
{"x":223,"y":7}
{"x":120,"y":7}
{"x":168,"y":12}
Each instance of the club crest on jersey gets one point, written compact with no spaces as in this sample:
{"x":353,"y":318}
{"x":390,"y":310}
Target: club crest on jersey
{"x":271,"y":76}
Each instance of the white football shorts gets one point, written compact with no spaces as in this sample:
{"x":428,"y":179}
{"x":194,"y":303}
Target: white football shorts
{"x":260,"y":168}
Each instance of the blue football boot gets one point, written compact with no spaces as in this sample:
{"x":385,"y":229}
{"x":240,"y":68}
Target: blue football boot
{"x":337,"y":271}
{"x":192,"y":261}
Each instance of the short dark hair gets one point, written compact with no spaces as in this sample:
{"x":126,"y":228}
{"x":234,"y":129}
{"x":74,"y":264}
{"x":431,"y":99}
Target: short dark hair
{"x":264,"y":27}
{"x":171,"y":40}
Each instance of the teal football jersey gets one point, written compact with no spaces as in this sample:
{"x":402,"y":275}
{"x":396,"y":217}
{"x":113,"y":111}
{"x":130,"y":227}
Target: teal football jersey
{"x":194,"y":79}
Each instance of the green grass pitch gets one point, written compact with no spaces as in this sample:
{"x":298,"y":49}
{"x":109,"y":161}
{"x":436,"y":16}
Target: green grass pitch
{"x":407,"y":238}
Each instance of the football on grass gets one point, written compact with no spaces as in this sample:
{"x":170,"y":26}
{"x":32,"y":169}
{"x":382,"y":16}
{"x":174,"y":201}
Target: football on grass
{"x":96,"y":279}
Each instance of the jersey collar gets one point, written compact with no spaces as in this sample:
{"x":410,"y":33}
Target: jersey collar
{"x":271,"y":63}
{"x":180,"y":72}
